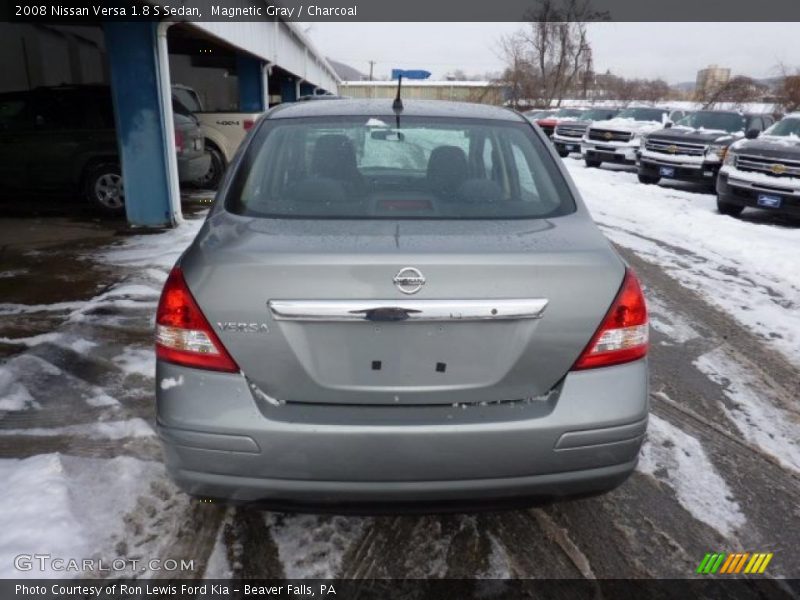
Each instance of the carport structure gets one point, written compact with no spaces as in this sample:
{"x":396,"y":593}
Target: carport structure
{"x":272,"y":59}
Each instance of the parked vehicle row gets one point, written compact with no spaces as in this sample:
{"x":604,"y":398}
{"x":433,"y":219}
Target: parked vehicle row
{"x":746,"y":158}
{"x":223,"y":132}
{"x":63,"y":139}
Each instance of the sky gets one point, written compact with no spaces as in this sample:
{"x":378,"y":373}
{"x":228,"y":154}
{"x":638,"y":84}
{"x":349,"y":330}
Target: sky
{"x":672,"y":51}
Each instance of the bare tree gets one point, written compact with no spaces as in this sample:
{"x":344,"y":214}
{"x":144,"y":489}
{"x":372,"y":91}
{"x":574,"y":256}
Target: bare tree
{"x":517,"y":76}
{"x":737,"y":91}
{"x":787,"y":90}
{"x":551,"y":56}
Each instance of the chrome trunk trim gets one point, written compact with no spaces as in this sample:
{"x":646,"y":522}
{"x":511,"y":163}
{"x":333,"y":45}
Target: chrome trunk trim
{"x":407,"y":310}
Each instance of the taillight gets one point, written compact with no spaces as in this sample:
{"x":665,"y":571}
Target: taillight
{"x":178,"y":141}
{"x":248,"y":124}
{"x":623,"y":334}
{"x":183,"y":334}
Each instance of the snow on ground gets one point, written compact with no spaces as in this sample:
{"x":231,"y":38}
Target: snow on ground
{"x":747,"y":269}
{"x":669,"y":323}
{"x":77,"y":507}
{"x":66,"y":507}
{"x":678,"y":459}
{"x":773,"y":430}
{"x":218,"y":565}
{"x":155,"y":253}
{"x":102,"y":430}
{"x":499,"y":562}
{"x":137,"y":361}
{"x":313,"y":546}
{"x":14,"y":396}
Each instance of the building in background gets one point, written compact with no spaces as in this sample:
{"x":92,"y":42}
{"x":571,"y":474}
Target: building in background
{"x":710,"y":78}
{"x":482,"y":92}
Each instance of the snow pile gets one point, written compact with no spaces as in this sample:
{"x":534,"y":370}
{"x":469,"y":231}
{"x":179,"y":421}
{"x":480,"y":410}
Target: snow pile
{"x":749,"y":270}
{"x":676,"y":458}
{"x":155,"y":252}
{"x":66,"y":507}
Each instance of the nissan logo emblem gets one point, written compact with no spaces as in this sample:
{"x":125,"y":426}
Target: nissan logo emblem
{"x":409,"y":280}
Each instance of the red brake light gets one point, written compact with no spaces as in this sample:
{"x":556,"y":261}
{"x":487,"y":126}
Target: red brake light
{"x":183,"y":334}
{"x":623,"y":334}
{"x":248,"y":124}
{"x":178,"y":141}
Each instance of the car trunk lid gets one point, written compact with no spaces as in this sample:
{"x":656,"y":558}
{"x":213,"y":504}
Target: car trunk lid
{"x":313,"y":311}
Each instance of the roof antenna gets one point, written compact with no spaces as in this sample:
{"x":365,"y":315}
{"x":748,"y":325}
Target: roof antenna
{"x":398,"y":102}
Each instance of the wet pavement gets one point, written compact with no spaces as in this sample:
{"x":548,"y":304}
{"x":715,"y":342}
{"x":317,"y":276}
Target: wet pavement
{"x":720,"y":470}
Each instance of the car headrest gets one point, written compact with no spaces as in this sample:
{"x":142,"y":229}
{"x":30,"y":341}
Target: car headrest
{"x":334,"y":156}
{"x":447,"y":169}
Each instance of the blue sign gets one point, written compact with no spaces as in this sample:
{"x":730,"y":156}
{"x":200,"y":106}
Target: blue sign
{"x":410,"y":74}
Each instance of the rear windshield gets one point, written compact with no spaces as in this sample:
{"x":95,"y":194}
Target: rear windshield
{"x":425,"y":168}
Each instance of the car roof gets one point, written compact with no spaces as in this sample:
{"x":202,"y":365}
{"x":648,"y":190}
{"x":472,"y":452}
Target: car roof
{"x":383,"y":108}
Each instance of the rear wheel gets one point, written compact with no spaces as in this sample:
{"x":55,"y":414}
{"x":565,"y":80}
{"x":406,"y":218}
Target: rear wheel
{"x":726,"y":208}
{"x":593,"y":162}
{"x":562,"y":152}
{"x":216,"y":168}
{"x":648,"y":179}
{"x":103,"y":187}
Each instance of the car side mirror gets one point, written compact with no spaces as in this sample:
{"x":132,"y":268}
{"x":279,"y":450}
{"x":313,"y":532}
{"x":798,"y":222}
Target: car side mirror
{"x":752,"y":134}
{"x":668,"y":125}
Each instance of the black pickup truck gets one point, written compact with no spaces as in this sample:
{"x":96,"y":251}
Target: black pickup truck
{"x":763,"y":172}
{"x":693,"y":148}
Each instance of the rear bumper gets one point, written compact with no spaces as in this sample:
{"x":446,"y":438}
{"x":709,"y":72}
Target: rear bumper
{"x":191,"y":168}
{"x":220,"y":442}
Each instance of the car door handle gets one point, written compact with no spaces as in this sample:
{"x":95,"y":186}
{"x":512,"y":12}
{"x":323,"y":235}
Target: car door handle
{"x":502,"y":309}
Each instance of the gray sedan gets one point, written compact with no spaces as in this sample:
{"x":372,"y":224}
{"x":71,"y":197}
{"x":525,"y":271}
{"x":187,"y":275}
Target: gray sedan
{"x":399,"y":305}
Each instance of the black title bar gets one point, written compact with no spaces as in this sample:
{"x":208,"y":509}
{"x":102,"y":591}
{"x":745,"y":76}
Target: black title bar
{"x":82,"y":11}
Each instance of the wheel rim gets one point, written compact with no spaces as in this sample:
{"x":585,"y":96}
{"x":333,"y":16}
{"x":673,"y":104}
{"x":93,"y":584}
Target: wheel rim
{"x":108,"y":190}
{"x":211,"y":174}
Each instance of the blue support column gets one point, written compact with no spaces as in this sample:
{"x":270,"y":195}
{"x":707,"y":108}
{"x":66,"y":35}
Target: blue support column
{"x":140,"y":122}
{"x":288,"y":89}
{"x":251,"y":82}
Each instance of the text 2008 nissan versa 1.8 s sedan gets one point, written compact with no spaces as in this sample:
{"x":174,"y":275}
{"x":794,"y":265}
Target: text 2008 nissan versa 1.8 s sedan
{"x":389,"y":306}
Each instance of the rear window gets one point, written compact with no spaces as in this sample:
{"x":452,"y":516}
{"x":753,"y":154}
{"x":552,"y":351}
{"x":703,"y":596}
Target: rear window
{"x":371,"y":168}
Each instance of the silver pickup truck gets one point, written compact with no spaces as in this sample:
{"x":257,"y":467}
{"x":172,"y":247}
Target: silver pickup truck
{"x":223,"y":132}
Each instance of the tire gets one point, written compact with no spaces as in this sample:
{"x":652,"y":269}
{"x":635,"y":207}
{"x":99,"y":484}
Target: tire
{"x":593,"y":163}
{"x":216,"y":169}
{"x":726,"y":208}
{"x":648,"y":179}
{"x":562,"y":152}
{"x":103,"y":188}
